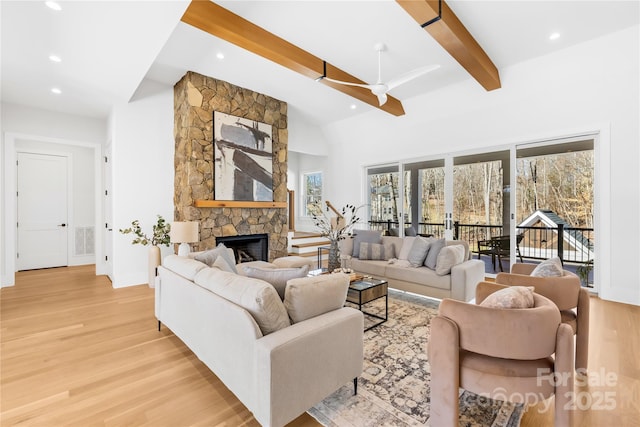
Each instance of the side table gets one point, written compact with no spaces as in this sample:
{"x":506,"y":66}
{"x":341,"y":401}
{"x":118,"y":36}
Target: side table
{"x":364,"y":291}
{"x":320,"y":249}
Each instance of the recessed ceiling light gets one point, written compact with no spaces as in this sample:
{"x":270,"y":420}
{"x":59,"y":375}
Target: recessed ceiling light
{"x":56,"y":91}
{"x":554,"y":36}
{"x":53,"y":5}
{"x":55,"y":58}
{"x":220,"y":55}
{"x":353,"y":106}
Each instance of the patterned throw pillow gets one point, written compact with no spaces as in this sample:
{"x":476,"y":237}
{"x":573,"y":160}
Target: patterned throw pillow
{"x":549,"y":268}
{"x":511,"y":297}
{"x":376,"y":251}
{"x":366,"y":236}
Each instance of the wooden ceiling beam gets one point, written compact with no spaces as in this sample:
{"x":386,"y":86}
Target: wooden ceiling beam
{"x":224,"y":24}
{"x":454,"y":38}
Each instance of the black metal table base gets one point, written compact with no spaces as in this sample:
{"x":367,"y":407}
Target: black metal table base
{"x":382,"y":319}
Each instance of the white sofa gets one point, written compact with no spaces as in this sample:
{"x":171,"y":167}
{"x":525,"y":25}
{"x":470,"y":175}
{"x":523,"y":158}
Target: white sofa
{"x":278,"y":374}
{"x":459,"y":284}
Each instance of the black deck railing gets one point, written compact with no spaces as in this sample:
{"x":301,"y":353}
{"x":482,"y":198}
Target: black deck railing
{"x":575,"y":246}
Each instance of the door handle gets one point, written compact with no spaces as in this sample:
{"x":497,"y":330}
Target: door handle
{"x":62,"y":225}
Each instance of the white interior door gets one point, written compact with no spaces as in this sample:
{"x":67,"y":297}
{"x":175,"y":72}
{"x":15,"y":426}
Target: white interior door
{"x":42,"y":184}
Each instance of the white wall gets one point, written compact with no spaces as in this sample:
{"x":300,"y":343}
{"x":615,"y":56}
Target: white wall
{"x":589,"y":87}
{"x":141,"y":135}
{"x":51,"y":124}
{"x":49,"y":128}
{"x":304,"y":137}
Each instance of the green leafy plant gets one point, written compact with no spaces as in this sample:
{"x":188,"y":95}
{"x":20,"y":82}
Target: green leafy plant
{"x":583,"y":272}
{"x":160,"y":234}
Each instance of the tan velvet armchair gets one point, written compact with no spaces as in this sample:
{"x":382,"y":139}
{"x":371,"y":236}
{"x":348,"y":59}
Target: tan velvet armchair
{"x":571,"y":298}
{"x":523,"y":355}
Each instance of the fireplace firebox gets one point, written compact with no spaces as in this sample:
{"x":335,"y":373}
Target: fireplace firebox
{"x":248,"y":247}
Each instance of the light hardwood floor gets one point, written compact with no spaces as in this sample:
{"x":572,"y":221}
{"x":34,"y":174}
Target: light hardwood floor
{"x":75,"y":351}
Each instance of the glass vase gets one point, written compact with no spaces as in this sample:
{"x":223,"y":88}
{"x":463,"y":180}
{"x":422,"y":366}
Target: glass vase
{"x":334,"y":256}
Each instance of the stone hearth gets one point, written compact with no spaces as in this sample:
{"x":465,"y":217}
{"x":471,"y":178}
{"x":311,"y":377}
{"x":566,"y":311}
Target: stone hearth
{"x":196,"y":97}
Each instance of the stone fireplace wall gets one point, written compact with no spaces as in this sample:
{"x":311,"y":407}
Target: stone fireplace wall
{"x":196,"y":97}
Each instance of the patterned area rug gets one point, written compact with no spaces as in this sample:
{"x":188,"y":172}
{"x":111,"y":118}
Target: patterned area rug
{"x":394,"y":387}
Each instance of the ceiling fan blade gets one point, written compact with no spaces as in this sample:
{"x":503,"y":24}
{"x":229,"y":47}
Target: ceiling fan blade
{"x":410,"y":76}
{"x":366,"y":86}
{"x":382,"y":98}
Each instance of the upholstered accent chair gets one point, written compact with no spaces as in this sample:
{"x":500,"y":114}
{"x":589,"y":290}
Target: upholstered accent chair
{"x":571,"y":298}
{"x":517,"y":354}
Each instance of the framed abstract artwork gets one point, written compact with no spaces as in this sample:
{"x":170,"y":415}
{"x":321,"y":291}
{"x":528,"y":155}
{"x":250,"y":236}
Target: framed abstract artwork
{"x":243,"y":159}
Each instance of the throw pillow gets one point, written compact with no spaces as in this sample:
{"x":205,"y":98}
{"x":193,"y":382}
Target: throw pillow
{"x":511,"y":297}
{"x":410,"y":231}
{"x":549,"y":268}
{"x":258,"y":297}
{"x":227,"y":254}
{"x":431,"y":260}
{"x":209,"y":257}
{"x":376,"y":251}
{"x":367,"y":236}
{"x":448,"y":257}
{"x":308,"y":297}
{"x":278,"y":277}
{"x":407,"y":244}
{"x":222,"y":264}
{"x":418,"y":252}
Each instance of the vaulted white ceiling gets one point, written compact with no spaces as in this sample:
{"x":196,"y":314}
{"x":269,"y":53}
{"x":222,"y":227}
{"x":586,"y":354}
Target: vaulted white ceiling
{"x":110,"y":49}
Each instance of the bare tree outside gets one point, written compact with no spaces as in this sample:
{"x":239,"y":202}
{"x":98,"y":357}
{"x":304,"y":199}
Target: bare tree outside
{"x":432,"y":203}
{"x":562,"y":183}
{"x":477,"y":189}
{"x":383,"y":196}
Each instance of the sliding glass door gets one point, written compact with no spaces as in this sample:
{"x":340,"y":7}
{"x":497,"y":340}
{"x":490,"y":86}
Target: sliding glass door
{"x":522,"y":204}
{"x":383,"y":198}
{"x":481,"y":206}
{"x":554,"y":207}
{"x":424,"y":189}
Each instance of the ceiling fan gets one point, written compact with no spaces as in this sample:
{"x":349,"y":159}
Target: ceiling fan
{"x":380,"y":88}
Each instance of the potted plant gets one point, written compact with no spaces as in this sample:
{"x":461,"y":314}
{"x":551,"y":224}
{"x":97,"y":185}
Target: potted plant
{"x":160,"y":236}
{"x":583,"y":272}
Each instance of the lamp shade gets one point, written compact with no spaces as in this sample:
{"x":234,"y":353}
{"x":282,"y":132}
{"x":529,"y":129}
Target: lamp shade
{"x":184,"y":232}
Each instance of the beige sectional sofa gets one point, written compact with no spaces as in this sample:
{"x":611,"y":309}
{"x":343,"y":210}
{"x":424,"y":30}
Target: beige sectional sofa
{"x":278,"y":357}
{"x":460,"y":283}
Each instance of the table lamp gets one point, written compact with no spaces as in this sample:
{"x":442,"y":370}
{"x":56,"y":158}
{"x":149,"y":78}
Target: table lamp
{"x":184,"y":232}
